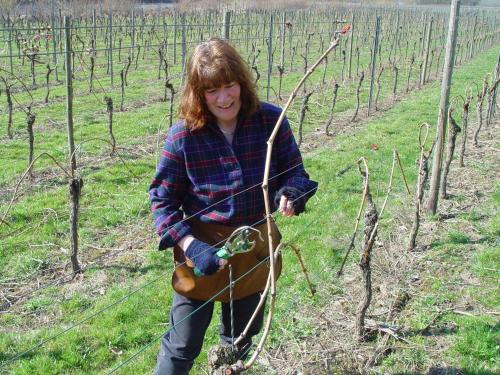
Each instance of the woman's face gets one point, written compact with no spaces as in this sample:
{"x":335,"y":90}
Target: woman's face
{"x":224,"y":103}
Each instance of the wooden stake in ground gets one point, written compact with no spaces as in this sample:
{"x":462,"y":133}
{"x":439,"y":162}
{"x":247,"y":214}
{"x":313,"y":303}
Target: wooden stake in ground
{"x":69,"y":93}
{"x":493,"y":96}
{"x":437,"y":162}
{"x":75,"y":184}
{"x":377,"y":84}
{"x":491,"y":101}
{"x":453,"y":130}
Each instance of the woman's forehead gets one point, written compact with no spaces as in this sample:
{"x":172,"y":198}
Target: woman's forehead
{"x":216,"y":82}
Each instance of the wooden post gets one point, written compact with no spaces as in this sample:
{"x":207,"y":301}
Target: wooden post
{"x":227,"y":24}
{"x":94,"y":32}
{"x":133,"y":32}
{"x":374,"y":61}
{"x":9,"y":23}
{"x":471,"y":51}
{"x":175,"y":38}
{"x":350,"y":44}
{"x":423,"y":72}
{"x":110,"y":53}
{"x":283,"y":30}
{"x":54,"y":43}
{"x":492,"y":107}
{"x":183,"y":20}
{"x":395,"y":42}
{"x":69,"y":92}
{"x":247,"y":31}
{"x":437,"y":161}
{"x":269,"y":56}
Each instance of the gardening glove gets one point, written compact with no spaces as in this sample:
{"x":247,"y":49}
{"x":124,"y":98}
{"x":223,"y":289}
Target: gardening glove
{"x":295,"y":198}
{"x":203,"y":256}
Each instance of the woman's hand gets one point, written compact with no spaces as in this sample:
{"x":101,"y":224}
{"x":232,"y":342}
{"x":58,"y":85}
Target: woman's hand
{"x":290,"y":201}
{"x":203,"y":256}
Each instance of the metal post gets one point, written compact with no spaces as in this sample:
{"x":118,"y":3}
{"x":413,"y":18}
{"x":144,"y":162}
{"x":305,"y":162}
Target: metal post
{"x":374,"y":61}
{"x":69,"y":92}
{"x":269,"y":56}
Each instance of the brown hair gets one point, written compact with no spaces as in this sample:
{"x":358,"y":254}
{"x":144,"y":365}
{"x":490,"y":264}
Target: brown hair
{"x":212,"y":64}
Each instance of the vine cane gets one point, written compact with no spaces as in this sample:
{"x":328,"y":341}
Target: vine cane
{"x":239,"y":367}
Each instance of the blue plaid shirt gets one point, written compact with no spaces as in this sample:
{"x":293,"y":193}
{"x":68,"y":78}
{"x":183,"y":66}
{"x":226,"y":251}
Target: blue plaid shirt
{"x":201,"y":175}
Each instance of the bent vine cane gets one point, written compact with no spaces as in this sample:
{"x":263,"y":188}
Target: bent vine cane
{"x":271,"y":282}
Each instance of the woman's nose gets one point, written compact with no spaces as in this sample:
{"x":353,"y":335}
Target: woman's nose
{"x":223,"y":94}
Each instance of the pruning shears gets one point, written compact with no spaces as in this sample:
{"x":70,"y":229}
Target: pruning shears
{"x":237,"y":243}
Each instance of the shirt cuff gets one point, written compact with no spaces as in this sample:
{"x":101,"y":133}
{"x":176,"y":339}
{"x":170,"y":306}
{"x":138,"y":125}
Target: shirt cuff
{"x":173,"y":235}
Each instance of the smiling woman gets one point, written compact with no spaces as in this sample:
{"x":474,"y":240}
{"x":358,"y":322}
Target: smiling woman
{"x":206,"y":187}
{"x":225,"y":103}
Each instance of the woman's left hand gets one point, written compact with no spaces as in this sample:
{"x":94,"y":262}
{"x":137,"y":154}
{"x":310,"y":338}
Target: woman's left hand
{"x":286,"y":206}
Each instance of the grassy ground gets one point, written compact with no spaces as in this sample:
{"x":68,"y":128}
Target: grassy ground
{"x":119,"y":247}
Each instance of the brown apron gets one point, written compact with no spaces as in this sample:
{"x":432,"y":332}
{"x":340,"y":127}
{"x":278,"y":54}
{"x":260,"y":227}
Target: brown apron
{"x":203,"y":288}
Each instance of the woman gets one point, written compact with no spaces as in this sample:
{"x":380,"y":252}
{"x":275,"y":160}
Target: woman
{"x":206,"y":185}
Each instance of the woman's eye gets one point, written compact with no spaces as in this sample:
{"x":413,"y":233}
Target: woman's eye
{"x":210,"y":91}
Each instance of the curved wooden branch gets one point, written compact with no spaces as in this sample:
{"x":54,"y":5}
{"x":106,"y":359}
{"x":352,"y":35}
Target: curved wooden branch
{"x":421,"y":143}
{"x":238,"y":367}
{"x":396,"y":155}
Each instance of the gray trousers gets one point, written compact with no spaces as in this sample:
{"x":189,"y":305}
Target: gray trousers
{"x":184,"y":340}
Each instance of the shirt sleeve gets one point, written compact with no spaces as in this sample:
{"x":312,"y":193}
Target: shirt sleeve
{"x":290,"y":165}
{"x":165,"y":194}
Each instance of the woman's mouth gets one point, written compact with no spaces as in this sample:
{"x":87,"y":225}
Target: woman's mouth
{"x":226,"y":106}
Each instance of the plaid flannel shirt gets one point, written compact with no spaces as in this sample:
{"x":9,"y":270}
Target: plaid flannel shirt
{"x":201,"y":175}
